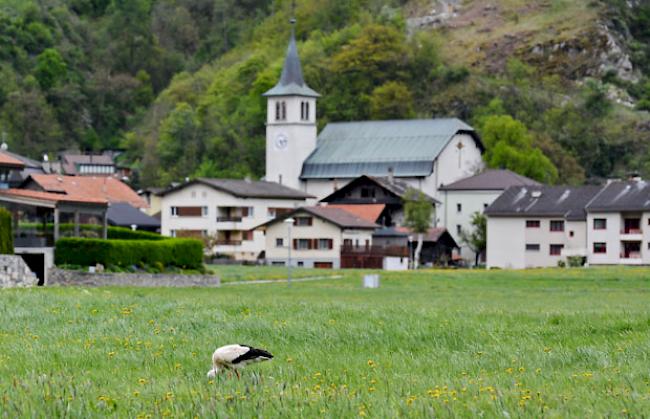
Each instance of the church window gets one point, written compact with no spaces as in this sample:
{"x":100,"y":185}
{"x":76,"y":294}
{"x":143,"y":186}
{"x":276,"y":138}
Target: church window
{"x":306,"y":111}
{"x":277,"y":111}
{"x":284,"y":111}
{"x":302,"y":111}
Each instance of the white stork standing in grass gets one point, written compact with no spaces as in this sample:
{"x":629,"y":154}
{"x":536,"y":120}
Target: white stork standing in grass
{"x":233,"y":357}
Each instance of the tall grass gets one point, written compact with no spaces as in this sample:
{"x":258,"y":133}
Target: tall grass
{"x":551,"y":343}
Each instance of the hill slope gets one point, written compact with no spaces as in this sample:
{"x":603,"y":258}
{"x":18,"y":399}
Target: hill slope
{"x":556,"y":87}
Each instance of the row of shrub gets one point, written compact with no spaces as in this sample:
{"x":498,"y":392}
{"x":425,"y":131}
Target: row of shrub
{"x":6,"y":234}
{"x":181,"y":253}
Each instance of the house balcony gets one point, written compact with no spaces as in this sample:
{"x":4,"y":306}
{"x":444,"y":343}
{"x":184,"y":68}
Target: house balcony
{"x":631,"y":234}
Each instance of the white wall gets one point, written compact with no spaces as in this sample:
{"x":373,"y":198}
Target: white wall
{"x":506,"y":243}
{"x":508,"y":237}
{"x":471,"y":202}
{"x":199,"y":195}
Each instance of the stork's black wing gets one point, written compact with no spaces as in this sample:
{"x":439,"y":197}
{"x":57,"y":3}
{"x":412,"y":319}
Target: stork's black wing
{"x":252,"y":354}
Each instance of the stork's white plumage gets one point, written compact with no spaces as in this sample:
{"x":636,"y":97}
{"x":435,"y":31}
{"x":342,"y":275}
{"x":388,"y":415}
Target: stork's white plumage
{"x":233,"y":357}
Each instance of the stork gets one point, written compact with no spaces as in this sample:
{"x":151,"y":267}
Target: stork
{"x":234,"y":357}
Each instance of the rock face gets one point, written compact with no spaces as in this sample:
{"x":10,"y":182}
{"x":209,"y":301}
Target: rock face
{"x":14,"y":272}
{"x":442,"y":11}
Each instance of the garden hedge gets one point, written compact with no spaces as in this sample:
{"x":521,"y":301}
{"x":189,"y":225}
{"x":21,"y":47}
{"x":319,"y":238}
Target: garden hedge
{"x":6,"y":233}
{"x":181,"y":253}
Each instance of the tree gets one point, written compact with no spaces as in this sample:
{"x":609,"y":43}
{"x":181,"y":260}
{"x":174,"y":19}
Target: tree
{"x":50,"y":68}
{"x":392,"y":100}
{"x":6,"y":233}
{"x":418,"y":212}
{"x":509,"y":146}
{"x":477,"y":238}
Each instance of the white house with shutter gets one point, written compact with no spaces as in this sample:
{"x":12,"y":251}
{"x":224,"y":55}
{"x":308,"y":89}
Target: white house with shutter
{"x":224,"y":212}
{"x":316,"y":237}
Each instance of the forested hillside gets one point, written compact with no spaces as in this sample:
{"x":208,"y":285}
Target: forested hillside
{"x":558,"y":89}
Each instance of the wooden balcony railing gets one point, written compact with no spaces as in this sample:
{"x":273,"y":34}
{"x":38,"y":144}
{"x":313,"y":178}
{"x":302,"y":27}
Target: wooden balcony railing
{"x":229,"y":219}
{"x":398,"y":251}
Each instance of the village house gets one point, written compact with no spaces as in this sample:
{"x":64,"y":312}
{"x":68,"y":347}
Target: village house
{"x":385,"y":193}
{"x":224,"y":212}
{"x":423,"y":153}
{"x":465,"y":197}
{"x":319,"y":237}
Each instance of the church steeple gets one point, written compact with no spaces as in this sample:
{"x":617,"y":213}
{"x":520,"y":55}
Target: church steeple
{"x":291,"y":81}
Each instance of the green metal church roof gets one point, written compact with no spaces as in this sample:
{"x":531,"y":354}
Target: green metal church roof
{"x":408,"y":147}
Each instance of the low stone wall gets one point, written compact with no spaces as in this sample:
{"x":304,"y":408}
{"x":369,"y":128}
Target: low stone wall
{"x":86,"y":279}
{"x":14,"y":272}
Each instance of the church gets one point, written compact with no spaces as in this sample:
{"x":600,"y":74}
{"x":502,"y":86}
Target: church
{"x":423,"y":153}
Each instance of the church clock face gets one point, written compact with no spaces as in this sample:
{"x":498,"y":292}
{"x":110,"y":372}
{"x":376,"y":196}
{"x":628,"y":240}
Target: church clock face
{"x":281,"y":142}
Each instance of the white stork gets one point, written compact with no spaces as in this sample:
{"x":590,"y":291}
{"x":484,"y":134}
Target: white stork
{"x":233,"y":357}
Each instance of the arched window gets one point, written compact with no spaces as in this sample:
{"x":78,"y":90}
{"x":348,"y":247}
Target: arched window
{"x":306,"y":111}
{"x":277,"y":111}
{"x":284,"y":111}
{"x":302,"y":111}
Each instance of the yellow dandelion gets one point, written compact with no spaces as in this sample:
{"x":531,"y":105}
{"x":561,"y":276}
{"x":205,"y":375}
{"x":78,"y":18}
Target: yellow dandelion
{"x":142,"y":381}
{"x":371,"y":363}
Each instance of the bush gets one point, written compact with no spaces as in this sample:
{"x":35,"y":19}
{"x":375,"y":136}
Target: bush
{"x":561,"y":264}
{"x":6,"y":233}
{"x":576,"y":261}
{"x":121,"y":233}
{"x":182,"y":253}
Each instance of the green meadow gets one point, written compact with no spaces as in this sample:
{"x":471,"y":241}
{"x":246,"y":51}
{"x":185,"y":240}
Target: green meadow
{"x":540,"y":343}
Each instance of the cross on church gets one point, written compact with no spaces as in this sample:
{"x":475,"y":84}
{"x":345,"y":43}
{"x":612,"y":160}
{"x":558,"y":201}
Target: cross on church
{"x":460,"y":147}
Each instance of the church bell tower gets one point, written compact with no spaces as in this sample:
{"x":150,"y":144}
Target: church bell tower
{"x":290,"y":121}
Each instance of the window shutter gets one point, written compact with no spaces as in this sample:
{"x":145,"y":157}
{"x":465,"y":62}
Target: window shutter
{"x":310,"y":222}
{"x":244,"y":212}
{"x":295,"y":243}
{"x":330,"y":243}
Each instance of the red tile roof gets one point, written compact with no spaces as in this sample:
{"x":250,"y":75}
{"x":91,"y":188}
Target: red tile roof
{"x":94,"y":188}
{"x":369,"y":212}
{"x":51,"y":197}
{"x":8,"y":161}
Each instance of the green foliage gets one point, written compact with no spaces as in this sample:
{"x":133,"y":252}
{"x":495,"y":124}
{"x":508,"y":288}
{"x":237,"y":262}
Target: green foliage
{"x":182,"y":253}
{"x":6,"y":233}
{"x":392,"y":100}
{"x":476,"y":239}
{"x":509,"y":146}
{"x":417,"y":211}
{"x":50,"y":68}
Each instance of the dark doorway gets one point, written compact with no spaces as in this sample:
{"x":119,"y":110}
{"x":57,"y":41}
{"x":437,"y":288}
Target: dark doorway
{"x":36,"y":263}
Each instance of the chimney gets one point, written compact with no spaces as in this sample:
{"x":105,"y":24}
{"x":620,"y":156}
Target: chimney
{"x":391,"y":175}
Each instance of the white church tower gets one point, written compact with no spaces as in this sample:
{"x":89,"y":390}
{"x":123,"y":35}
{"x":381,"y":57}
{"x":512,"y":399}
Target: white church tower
{"x":290,"y":122}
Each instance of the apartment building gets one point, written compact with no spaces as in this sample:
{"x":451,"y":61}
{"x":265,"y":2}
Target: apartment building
{"x":537,"y":226}
{"x":224,"y":212}
{"x":618,"y":224}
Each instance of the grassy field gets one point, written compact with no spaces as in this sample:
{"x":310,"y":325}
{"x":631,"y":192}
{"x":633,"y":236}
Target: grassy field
{"x":236,"y":273}
{"x":546,"y":343}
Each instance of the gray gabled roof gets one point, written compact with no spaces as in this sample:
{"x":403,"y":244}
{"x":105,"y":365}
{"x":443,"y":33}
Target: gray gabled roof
{"x":336,"y":216}
{"x":125,"y":215}
{"x":408,"y":147}
{"x":291,"y":81}
{"x":246,"y":188}
{"x":490,"y":180}
{"x":622,"y":196}
{"x":568,"y":202}
{"x":395,"y":186}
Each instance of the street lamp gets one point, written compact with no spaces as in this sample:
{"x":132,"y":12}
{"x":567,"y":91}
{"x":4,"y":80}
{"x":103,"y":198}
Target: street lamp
{"x":289,"y":222}
{"x":410,"y":252}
